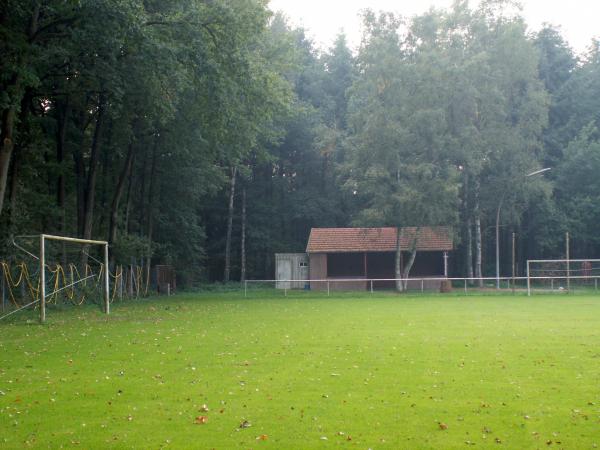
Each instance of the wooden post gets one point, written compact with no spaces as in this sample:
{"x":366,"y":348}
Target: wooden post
{"x":106,"y":281}
{"x":42,"y":281}
{"x":327,"y":288}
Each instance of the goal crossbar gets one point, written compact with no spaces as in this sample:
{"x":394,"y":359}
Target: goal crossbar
{"x":567,"y":275}
{"x":42,"y":258}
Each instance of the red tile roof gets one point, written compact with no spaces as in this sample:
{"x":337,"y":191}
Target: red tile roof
{"x":332,"y":240}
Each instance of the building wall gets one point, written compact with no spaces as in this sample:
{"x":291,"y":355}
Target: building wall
{"x":318,"y":270}
{"x":379,"y":265}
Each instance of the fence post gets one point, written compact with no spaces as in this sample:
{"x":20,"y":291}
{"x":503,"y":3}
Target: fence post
{"x":371,"y":286}
{"x":285,"y":290}
{"x":595,"y":287}
{"x":422,"y":285}
{"x":168,"y":289}
{"x":245,"y":288}
{"x":465,"y":285}
{"x":327,"y":288}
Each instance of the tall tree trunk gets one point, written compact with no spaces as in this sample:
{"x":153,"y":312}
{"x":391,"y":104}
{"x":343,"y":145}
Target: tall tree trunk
{"x":106,"y":175}
{"x":227,"y":273}
{"x":150,"y":207}
{"x":468,"y":226}
{"x":61,"y":138}
{"x":469,"y":244}
{"x":142,"y":199}
{"x":398,"y":261}
{"x":14,"y":169}
{"x":478,"y":259}
{"x":151,"y":188}
{"x":14,"y":187}
{"x":8,"y":116}
{"x":114,"y":208}
{"x":412,"y":255}
{"x":243,"y":238}
{"x":128,"y":202}
{"x":90,"y":191}
{"x":7,"y":145}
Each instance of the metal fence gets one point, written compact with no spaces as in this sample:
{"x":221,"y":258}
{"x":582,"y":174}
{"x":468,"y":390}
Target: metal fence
{"x":459,"y":285}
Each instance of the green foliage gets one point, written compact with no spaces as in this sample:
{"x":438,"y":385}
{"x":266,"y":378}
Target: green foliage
{"x":128,"y":117}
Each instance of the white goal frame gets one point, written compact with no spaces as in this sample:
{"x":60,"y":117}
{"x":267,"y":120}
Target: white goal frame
{"x":43,"y":238}
{"x":568,"y":275}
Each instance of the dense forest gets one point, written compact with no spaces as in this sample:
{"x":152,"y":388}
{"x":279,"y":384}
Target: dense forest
{"x":210,"y":134}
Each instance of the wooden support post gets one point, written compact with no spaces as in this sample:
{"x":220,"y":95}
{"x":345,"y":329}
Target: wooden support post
{"x":42,"y":281}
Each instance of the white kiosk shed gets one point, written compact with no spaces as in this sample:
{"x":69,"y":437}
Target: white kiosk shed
{"x":291,"y":266}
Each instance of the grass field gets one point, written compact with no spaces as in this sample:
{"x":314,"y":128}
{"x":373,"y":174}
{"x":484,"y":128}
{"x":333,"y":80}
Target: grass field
{"x":364,"y":371}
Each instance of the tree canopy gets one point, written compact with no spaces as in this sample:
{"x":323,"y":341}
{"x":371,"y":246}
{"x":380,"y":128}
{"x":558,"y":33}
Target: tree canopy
{"x":210,"y":135}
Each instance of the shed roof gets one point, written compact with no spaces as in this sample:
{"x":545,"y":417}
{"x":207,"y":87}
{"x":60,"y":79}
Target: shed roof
{"x":338,"y":240}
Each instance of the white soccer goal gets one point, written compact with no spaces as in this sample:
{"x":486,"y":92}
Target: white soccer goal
{"x":562,"y":274}
{"x":42,"y":258}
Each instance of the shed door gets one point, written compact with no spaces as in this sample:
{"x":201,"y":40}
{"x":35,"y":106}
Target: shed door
{"x":284,"y":272}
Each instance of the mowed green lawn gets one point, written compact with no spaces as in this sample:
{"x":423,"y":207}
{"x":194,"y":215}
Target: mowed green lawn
{"x":366,"y":371}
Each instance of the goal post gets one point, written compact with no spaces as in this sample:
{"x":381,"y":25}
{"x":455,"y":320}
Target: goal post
{"x":575,"y":271}
{"x":105,"y":284}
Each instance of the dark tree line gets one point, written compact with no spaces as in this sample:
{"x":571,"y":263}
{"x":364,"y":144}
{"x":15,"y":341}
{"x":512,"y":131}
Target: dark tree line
{"x":210,"y":135}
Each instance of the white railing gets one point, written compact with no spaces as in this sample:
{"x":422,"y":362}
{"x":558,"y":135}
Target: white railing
{"x":515,"y":284}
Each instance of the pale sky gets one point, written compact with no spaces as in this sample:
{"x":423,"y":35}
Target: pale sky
{"x":323,"y":19}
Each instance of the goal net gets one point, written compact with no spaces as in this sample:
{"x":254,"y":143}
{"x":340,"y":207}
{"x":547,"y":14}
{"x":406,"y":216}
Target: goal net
{"x":52,"y":271}
{"x":562,"y":274}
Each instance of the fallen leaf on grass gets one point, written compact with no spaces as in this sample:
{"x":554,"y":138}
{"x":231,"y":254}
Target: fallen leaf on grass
{"x":201,"y":420}
{"x":245,"y":424}
{"x":262,"y":437}
{"x":204,"y":408}
{"x":443,"y":426}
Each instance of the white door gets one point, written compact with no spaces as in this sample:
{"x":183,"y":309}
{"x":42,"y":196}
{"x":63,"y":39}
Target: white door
{"x":284,"y":272}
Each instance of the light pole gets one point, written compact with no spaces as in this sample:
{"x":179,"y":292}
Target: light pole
{"x":537,"y":172}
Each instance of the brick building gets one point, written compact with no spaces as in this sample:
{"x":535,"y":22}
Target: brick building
{"x":360,"y":254}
